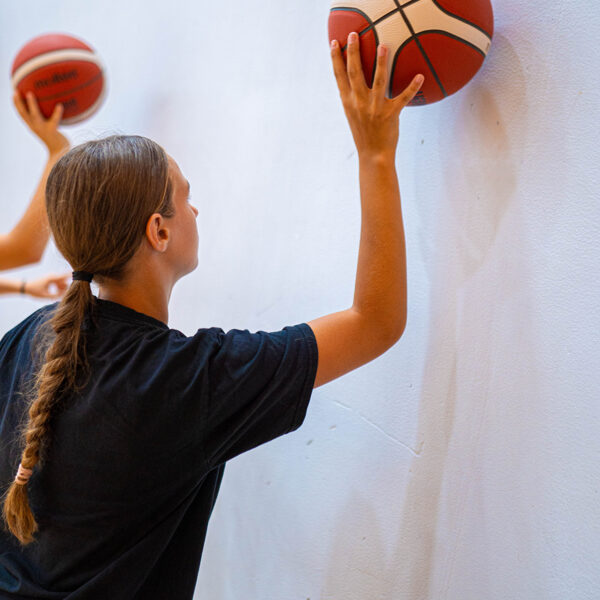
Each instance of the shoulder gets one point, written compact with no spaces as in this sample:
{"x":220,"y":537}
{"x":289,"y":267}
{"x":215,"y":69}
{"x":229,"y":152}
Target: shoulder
{"x":29,"y":325}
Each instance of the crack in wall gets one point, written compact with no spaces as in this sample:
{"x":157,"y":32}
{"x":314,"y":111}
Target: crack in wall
{"x":385,"y":433}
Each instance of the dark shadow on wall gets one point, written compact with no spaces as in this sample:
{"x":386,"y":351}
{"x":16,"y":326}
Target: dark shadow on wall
{"x":479,"y":181}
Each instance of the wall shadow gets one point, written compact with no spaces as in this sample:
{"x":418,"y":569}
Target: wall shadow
{"x":479,"y":177}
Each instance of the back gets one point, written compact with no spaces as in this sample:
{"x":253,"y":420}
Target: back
{"x":136,"y":458}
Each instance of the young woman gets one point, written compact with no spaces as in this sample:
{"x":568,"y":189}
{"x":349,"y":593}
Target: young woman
{"x":26,"y":242}
{"x":128,"y":424}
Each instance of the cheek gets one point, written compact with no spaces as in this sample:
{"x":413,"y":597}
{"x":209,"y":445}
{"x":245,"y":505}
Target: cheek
{"x":193,"y":231}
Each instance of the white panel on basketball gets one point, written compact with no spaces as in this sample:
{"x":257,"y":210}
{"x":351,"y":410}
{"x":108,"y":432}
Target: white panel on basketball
{"x":424,"y":15}
{"x":375,"y":9}
{"x":53,"y":57}
{"x":392,"y":32}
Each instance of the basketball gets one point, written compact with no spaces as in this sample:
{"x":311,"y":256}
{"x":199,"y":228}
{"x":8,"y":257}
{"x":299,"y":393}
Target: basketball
{"x":445,"y":40}
{"x":60,"y":68}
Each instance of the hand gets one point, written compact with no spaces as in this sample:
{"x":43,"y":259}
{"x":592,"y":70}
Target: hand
{"x":45,"y":129}
{"x":50,"y":286}
{"x":372,"y":117}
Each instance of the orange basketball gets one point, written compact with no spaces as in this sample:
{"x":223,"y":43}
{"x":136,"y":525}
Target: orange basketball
{"x":445,"y":40}
{"x":60,"y":68}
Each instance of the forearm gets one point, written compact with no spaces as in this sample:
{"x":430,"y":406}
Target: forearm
{"x":10,"y":286}
{"x":26,"y":242}
{"x":380,"y":290}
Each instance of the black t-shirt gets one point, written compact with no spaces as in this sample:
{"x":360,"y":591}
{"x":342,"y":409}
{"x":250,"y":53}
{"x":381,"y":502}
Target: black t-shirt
{"x":135,"y":459}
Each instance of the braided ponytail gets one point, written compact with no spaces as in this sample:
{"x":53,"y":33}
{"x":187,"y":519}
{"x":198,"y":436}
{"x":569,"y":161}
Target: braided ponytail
{"x":117,"y":183}
{"x":64,"y":364}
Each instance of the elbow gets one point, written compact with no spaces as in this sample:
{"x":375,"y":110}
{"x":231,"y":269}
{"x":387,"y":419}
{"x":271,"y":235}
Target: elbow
{"x":394,"y":331}
{"x":32,"y":256}
{"x":398,"y":331}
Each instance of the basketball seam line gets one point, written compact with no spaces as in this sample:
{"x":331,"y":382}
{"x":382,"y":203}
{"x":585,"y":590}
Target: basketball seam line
{"x":371,"y":26}
{"x":461,"y":19}
{"x":454,"y":37}
{"x":414,"y":36}
{"x":371,"y":23}
{"x":409,"y":3}
{"x":441,"y":32}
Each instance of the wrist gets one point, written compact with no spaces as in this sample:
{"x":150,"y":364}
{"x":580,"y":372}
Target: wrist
{"x":383,"y":158}
{"x":54,"y":154}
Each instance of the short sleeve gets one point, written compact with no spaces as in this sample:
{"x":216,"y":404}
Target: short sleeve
{"x":260,"y":385}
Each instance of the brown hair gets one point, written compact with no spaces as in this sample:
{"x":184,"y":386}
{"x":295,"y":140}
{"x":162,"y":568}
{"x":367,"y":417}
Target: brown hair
{"x":99,"y":197}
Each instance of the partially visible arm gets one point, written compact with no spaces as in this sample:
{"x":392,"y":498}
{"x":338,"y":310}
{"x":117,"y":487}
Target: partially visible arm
{"x":9,"y":286}
{"x":353,"y":337}
{"x":49,"y":286}
{"x":26,"y":242}
{"x":376,"y":320}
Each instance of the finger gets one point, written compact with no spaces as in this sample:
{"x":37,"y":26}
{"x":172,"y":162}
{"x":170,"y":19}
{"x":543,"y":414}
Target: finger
{"x":56,"y":115}
{"x":339,"y":69}
{"x":20,"y":105}
{"x":59,"y":281}
{"x":33,"y":106}
{"x":409,"y":92}
{"x":381,"y":72}
{"x":50,"y":289}
{"x":355,"y":71}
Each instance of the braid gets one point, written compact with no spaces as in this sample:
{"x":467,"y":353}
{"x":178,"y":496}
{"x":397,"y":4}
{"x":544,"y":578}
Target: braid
{"x":64,"y":366}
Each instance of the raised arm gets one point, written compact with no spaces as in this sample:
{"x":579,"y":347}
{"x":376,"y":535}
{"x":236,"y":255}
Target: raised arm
{"x":26,"y":242}
{"x":375,"y":321}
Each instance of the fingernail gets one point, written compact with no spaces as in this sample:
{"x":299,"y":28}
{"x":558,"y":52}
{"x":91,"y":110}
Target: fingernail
{"x":334,"y":43}
{"x":381,"y":50}
{"x":420,"y":79}
{"x":353,"y":37}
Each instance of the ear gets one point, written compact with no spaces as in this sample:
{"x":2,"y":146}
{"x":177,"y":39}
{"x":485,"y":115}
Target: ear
{"x":157,"y":232}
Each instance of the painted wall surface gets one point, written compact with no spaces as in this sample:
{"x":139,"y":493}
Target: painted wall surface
{"x":464,"y":464}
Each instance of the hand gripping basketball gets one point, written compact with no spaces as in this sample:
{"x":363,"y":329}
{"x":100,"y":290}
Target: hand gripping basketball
{"x":45,"y":129}
{"x":372,"y":117}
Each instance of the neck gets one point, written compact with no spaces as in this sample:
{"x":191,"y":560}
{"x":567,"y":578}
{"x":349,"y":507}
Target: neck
{"x":145,"y":292}
{"x":152,"y":304}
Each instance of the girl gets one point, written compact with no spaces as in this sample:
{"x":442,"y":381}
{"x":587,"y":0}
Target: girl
{"x":26,"y":242}
{"x":127,"y":428}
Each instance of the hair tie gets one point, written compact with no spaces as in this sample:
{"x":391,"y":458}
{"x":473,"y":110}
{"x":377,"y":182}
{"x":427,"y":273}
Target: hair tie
{"x":23,"y":475}
{"x":82,"y":276}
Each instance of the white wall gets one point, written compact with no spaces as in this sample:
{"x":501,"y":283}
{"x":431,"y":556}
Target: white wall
{"x":464,"y":463}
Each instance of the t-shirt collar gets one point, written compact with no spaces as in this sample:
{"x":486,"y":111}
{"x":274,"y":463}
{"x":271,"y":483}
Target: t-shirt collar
{"x":109,"y":309}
